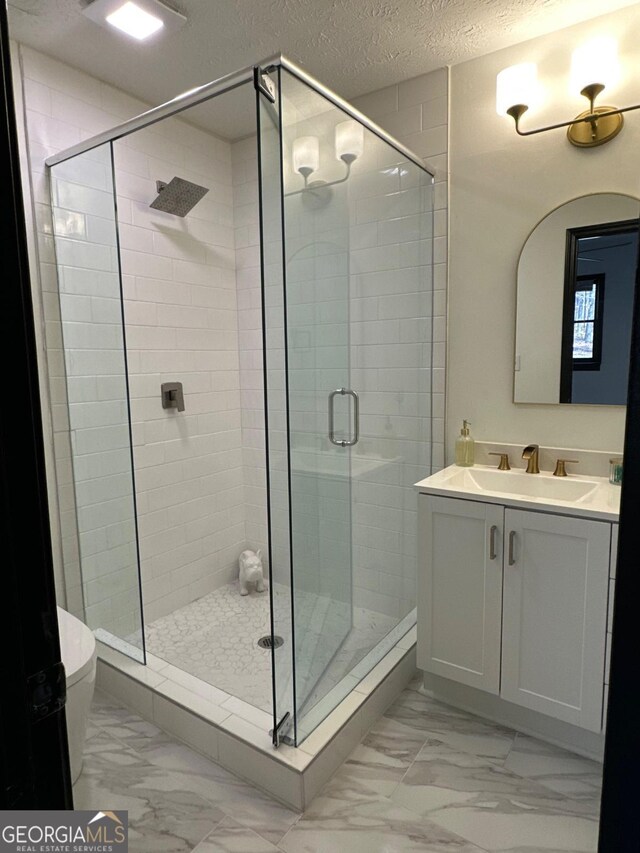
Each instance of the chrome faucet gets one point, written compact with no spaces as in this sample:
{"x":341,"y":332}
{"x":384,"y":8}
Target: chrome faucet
{"x":530,"y":453}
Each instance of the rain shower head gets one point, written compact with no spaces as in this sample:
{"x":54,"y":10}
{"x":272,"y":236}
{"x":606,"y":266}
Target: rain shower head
{"x":178,"y":196}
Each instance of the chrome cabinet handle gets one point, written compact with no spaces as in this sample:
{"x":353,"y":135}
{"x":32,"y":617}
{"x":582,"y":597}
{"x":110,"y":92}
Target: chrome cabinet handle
{"x":512,"y":539}
{"x":492,"y":541}
{"x":356,"y":418}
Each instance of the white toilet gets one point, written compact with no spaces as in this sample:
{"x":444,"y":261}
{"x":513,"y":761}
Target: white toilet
{"x":78,"y":647}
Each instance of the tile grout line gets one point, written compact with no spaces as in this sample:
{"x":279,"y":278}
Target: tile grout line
{"x":513,"y":743}
{"x":209,"y":832}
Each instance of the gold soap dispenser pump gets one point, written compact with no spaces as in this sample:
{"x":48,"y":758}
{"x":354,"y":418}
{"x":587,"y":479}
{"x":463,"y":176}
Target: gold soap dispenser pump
{"x":465,"y":447}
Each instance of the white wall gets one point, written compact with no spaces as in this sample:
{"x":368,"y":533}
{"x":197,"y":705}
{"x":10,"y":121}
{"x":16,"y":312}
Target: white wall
{"x":501,"y":186}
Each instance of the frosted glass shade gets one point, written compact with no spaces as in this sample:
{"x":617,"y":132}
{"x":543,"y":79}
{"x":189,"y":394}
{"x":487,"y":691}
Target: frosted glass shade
{"x":595,"y":62}
{"x":349,"y":141}
{"x":517,"y":85}
{"x":306,"y":155}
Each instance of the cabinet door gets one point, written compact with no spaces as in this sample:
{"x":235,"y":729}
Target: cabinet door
{"x":460,"y":590}
{"x":555,"y":615}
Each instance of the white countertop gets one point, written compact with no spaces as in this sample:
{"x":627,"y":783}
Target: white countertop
{"x":583,"y":496}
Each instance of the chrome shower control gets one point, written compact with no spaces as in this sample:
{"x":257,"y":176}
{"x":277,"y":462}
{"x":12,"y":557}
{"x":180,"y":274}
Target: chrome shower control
{"x":172,"y":396}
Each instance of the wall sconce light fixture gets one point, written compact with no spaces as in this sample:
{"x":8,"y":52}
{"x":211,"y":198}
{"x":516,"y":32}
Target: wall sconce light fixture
{"x":594,"y":67}
{"x":306,"y":156}
{"x":349,"y":145}
{"x":349,"y":141}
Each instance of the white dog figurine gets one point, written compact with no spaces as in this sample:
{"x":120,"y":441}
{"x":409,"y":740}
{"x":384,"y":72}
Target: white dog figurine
{"x":250,"y":563}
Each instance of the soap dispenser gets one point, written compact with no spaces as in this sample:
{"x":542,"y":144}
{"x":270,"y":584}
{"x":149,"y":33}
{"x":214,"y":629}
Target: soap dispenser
{"x":464,"y":447}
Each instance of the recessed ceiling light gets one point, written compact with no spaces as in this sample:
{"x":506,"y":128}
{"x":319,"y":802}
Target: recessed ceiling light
{"x":134,"y":21}
{"x":140,"y":19}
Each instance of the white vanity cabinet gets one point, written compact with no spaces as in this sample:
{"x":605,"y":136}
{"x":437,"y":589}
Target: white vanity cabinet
{"x":514,"y":603}
{"x":460,"y":593}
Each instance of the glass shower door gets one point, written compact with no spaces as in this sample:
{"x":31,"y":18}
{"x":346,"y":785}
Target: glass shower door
{"x":323,"y":405}
{"x":311,"y":410}
{"x":348,"y":301}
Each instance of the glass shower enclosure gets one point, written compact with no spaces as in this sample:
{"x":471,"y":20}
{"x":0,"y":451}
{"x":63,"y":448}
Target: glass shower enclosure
{"x":332,"y":426}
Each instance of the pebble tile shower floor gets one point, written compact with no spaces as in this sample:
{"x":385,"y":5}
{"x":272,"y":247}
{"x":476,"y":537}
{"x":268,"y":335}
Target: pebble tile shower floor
{"x":425,"y":778}
{"x":216,"y":639}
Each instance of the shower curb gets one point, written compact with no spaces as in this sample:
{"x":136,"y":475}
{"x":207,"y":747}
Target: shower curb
{"x":294,"y":776}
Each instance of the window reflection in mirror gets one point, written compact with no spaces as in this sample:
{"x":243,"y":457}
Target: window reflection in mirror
{"x":598,"y":301}
{"x":575,"y":282}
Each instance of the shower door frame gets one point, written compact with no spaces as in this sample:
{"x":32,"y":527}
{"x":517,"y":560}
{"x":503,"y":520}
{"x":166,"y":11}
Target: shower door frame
{"x":287,"y":715}
{"x":218,"y":87}
{"x":255,"y":75}
{"x":287,"y":700}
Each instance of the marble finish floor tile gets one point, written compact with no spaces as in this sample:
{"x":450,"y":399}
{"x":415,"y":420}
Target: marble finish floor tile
{"x":498,"y":832}
{"x":194,"y":773}
{"x":378,"y":764}
{"x":461,"y":731}
{"x":339,"y":820}
{"x":426,"y":777}
{"x":478,"y":799}
{"x":231,"y":837}
{"x":557,"y":769}
{"x":163,"y":816}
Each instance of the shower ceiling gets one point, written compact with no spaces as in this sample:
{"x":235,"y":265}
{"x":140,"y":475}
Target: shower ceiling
{"x":354,"y":46}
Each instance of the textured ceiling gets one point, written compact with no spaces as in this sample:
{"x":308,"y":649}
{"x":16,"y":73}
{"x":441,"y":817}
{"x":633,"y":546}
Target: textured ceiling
{"x":352,"y":46}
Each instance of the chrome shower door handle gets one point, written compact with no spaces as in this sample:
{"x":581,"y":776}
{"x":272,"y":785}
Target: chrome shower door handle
{"x":356,"y":418}
{"x":332,"y":432}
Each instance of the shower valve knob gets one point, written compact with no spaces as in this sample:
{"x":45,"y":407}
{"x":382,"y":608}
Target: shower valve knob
{"x":172,"y":396}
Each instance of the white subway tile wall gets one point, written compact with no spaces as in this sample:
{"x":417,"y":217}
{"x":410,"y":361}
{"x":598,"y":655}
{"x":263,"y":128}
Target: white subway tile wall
{"x":179,"y":289}
{"x":416,"y":111}
{"x":181,"y":308}
{"x":250,"y":339}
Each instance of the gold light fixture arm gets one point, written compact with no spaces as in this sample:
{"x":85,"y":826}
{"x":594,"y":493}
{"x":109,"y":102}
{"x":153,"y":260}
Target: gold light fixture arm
{"x":605,"y":122}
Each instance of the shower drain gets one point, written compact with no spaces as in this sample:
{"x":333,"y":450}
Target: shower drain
{"x":270,"y":642}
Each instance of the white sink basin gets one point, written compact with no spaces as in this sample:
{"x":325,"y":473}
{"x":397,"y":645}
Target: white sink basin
{"x":517,"y":483}
{"x":583,"y":496}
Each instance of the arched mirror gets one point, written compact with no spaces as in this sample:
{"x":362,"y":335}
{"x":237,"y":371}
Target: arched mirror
{"x":576,"y":277}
